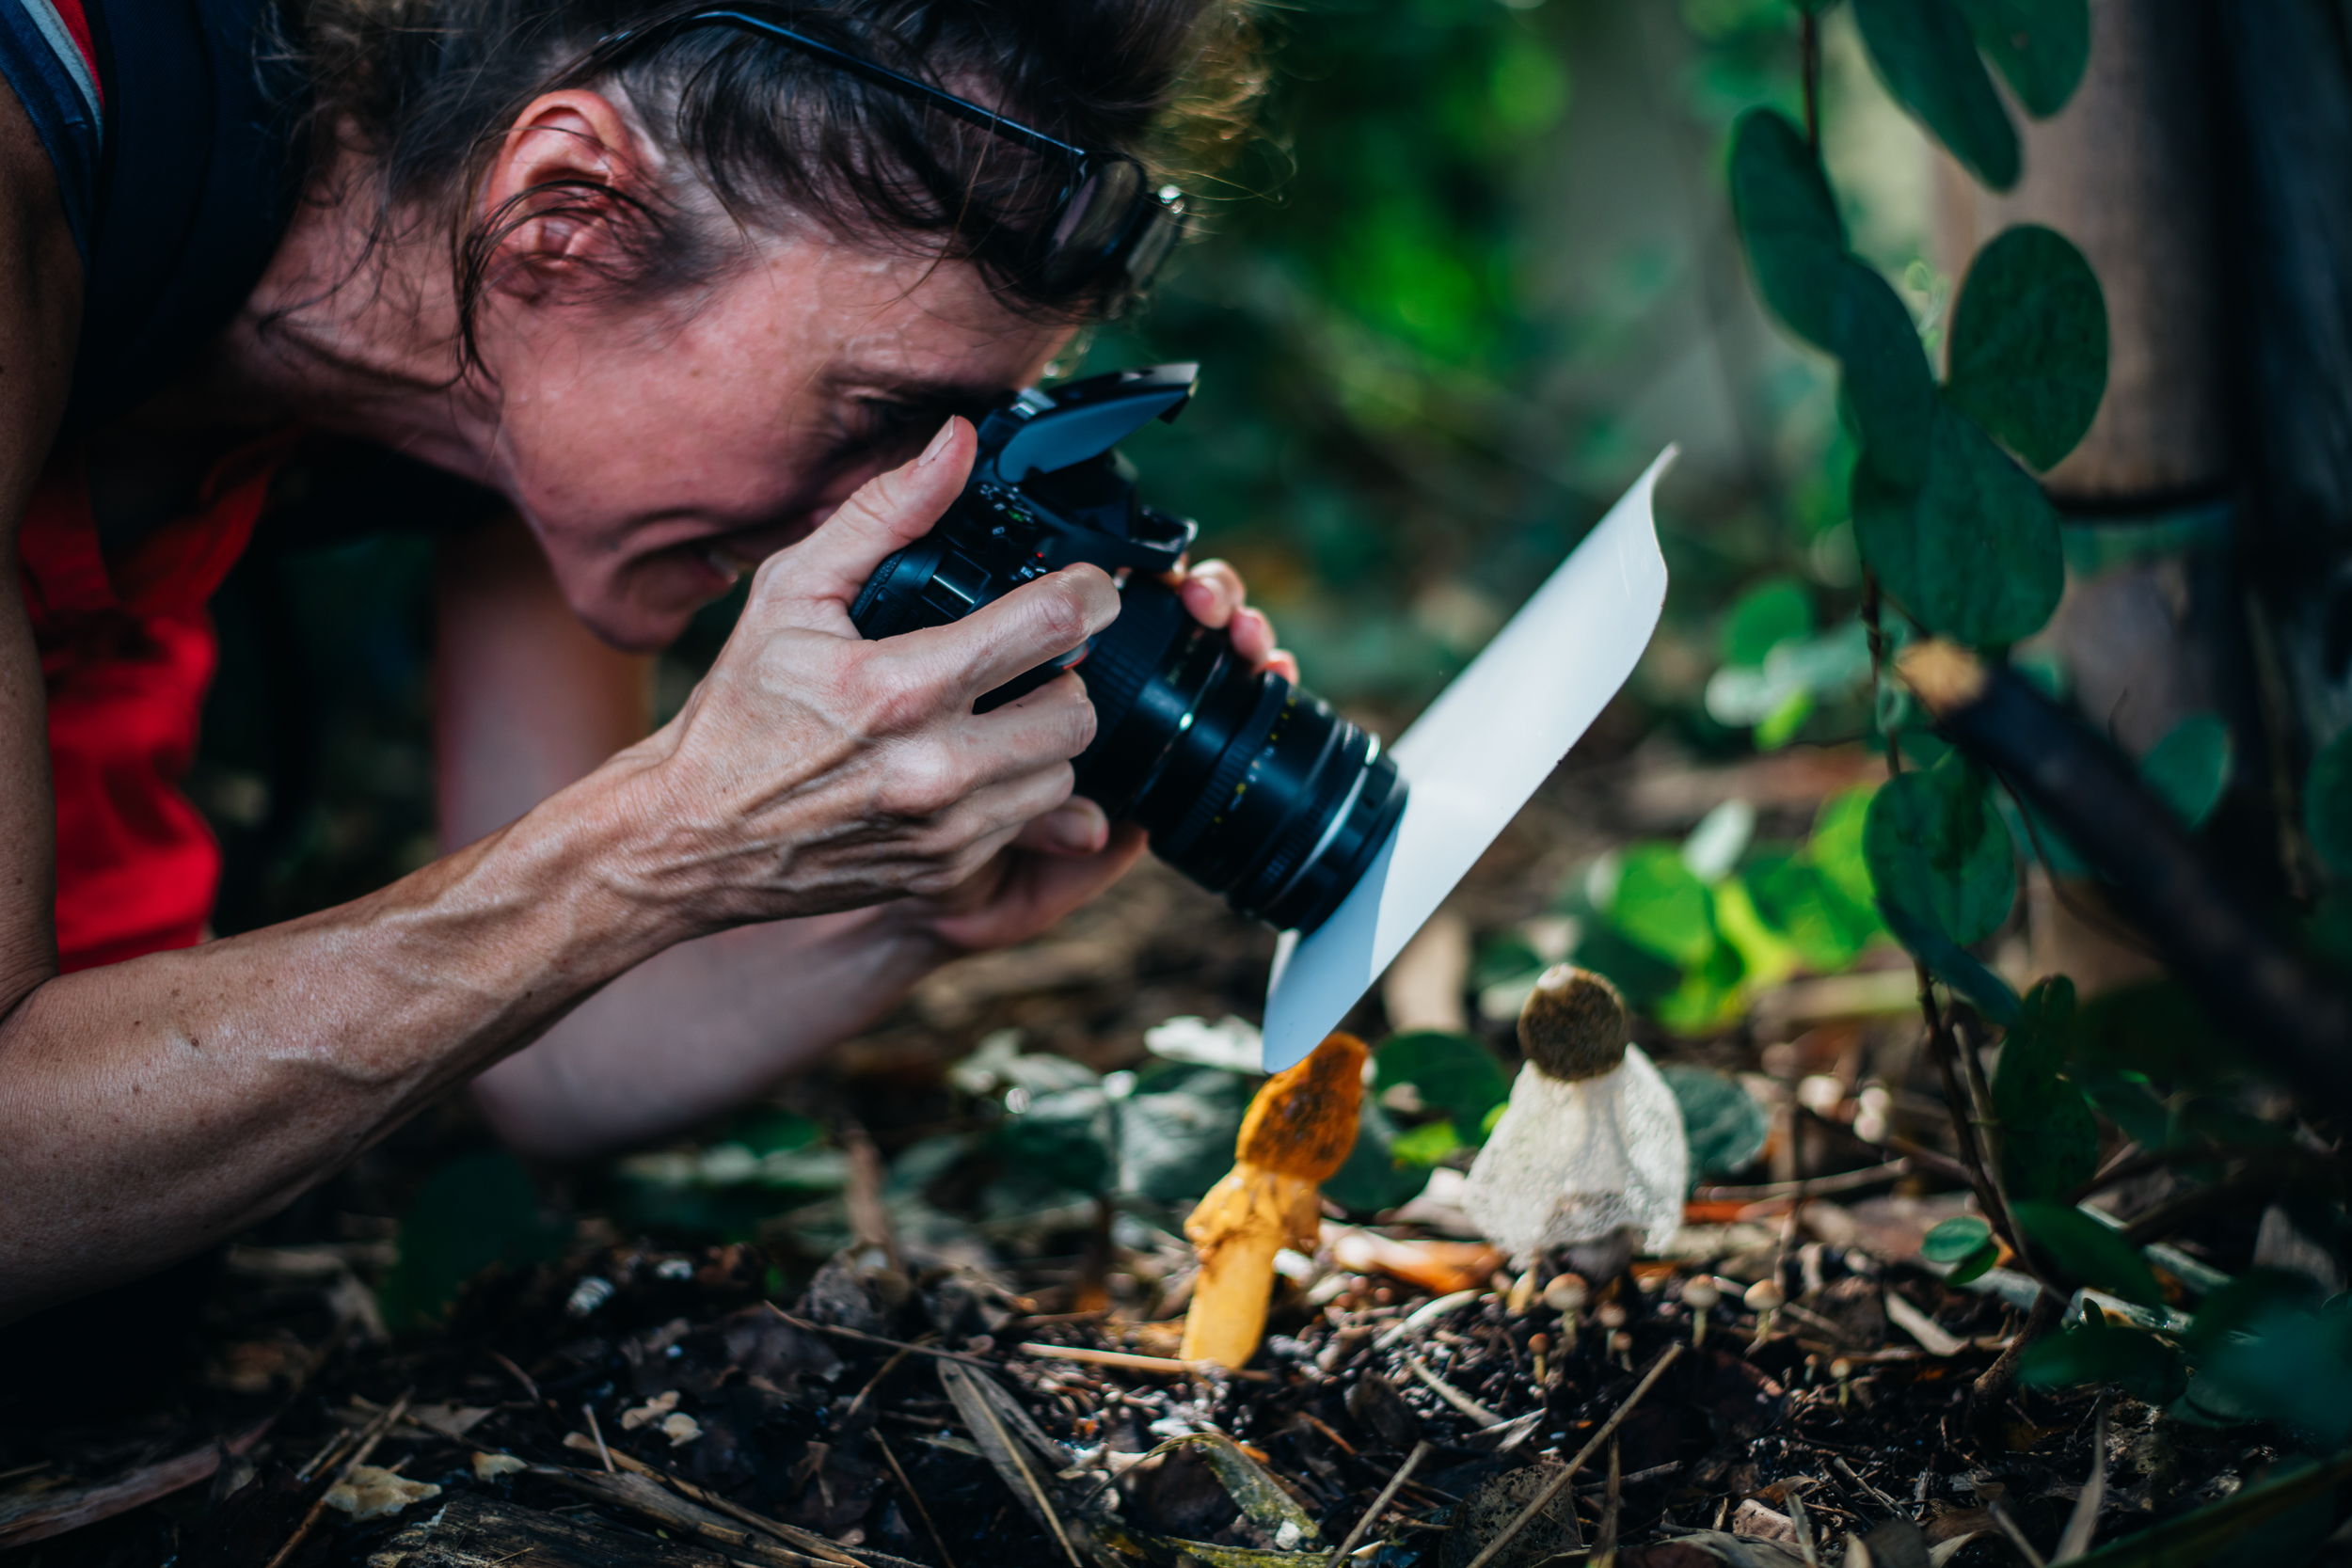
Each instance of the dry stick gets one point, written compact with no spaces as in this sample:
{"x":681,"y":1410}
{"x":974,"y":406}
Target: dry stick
{"x":2084,"y":1522}
{"x":946,"y":1559}
{"x":1045,"y":1503}
{"x":1379,"y":1504}
{"x":520,"y":1376}
{"x":1167,"y":1365}
{"x":1818,"y":1186}
{"x":375,"y":1434}
{"x":597,"y":1432}
{"x":840,"y":1333}
{"x":791,"y":1535}
{"x":1604,"y":1553}
{"x":1552,"y":1488}
{"x":1452,"y":1395}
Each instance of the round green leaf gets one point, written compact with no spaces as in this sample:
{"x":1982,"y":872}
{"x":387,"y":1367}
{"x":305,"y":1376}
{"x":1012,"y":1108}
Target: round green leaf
{"x":2087,"y":1250}
{"x":1723,"y":1125}
{"x":1956,"y":1239}
{"x":473,"y":1211}
{"x":1888,"y":391}
{"x":1975,"y":1267}
{"x":2190,"y":767}
{"x":2041,"y":46}
{"x":1453,"y":1073}
{"x":2029,"y":343}
{"x":1789,"y":222}
{"x":1927,"y":58}
{"x":1835,"y":844}
{"x":2049,"y":1137}
{"x":1939,"y":853}
{"x":1974,"y":553}
{"x":1776,"y":611}
{"x":1374,"y":1178}
{"x":1798,"y":899}
{"x":2328,"y":803}
{"x":1662,"y":908}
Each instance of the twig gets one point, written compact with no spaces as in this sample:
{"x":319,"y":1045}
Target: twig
{"x":791,"y":1535}
{"x":840,"y":1333}
{"x":1604,"y":1553}
{"x":946,"y":1559}
{"x":1993,"y":1386}
{"x":1045,"y":1504}
{"x":375,"y":1434}
{"x":597,"y":1432}
{"x":1818,"y":1186}
{"x":1379,"y":1505}
{"x":1892,"y":1507}
{"x":898,"y":1359}
{"x":2083,"y":1523}
{"x":1608,"y":1429}
{"x":530,"y":1388}
{"x":1452,"y":1395}
{"x":1166,"y":1366}
{"x":2016,"y":1536}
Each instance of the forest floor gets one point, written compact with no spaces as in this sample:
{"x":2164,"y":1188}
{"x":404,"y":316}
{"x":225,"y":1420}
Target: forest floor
{"x":1002,"y":1390}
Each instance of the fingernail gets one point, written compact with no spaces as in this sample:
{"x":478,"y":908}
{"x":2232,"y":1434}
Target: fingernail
{"x":1078,"y":826}
{"x":939,"y":444}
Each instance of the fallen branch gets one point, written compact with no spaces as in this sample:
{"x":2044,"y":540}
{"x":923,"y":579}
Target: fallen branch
{"x":58,"y":1513}
{"x":1379,"y":1505}
{"x":1165,"y":1365}
{"x":2092,"y":795}
{"x":376,"y":1430}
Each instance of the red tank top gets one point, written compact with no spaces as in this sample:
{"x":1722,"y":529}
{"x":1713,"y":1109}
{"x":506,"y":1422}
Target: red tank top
{"x":127,"y":651}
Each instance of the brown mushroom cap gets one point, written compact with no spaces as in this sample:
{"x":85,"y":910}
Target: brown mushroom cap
{"x":1573,"y":1026}
{"x":1303,"y":1121}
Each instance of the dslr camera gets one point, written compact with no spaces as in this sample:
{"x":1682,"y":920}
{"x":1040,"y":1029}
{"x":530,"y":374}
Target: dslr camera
{"x":1250,"y":785}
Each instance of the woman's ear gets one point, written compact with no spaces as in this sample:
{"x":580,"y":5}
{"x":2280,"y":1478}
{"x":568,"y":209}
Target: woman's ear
{"x":568,"y":171}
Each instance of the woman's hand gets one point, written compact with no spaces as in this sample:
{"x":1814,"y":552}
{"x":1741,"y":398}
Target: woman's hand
{"x":1068,"y":856}
{"x":814,"y":771}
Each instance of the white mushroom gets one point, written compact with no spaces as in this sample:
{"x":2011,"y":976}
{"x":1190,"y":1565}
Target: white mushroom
{"x":1591,"y":1143}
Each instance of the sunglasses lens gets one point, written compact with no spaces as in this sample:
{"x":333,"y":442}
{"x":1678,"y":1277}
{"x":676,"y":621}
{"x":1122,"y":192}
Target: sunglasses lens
{"x":1097,"y":219}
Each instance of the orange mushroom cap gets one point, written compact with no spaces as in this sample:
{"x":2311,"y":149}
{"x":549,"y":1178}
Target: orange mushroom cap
{"x":1303,"y":1121}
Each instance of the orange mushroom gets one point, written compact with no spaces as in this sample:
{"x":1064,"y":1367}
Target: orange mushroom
{"x":1297,"y":1132}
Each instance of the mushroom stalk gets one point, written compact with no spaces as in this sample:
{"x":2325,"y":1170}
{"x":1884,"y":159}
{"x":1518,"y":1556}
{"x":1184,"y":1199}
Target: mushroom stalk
{"x":1297,"y":1132}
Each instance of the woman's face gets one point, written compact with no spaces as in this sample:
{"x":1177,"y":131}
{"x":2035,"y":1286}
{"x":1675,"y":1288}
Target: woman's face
{"x":656,"y":454}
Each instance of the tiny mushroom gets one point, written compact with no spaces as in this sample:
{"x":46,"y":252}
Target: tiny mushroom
{"x":1764,"y":1298}
{"x":1591,"y":1144}
{"x":1700,"y":1293}
{"x":1296,"y":1133}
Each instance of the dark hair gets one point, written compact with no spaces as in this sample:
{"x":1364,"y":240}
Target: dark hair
{"x":425,"y":88}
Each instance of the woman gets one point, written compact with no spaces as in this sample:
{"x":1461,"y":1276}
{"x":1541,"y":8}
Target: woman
{"x":687,"y":289}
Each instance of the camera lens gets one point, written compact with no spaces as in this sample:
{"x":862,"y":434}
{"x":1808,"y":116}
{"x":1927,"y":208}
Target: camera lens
{"x":1250,"y":785}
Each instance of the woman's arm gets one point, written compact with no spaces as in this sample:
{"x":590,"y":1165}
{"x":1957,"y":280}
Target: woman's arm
{"x":527,"y":699}
{"x":150,"y":1108}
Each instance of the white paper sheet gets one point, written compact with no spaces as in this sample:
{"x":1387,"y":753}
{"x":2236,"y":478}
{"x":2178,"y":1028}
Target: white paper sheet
{"x":1473,"y":758}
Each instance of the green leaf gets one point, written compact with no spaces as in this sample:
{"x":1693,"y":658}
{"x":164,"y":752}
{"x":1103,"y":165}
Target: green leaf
{"x":2327,"y":804}
{"x":2203,"y":1537}
{"x":1974,"y":553}
{"x":1928,"y":60}
{"x":1797,"y":898}
{"x":2049,"y":1137}
{"x":2029,"y":343}
{"x":1975,"y":1267}
{"x":1888,"y":390}
{"x":1956,"y":1239}
{"x":1835,"y":844}
{"x":1372,"y":1177}
{"x":2041,"y":46}
{"x":1425,"y":1146}
{"x":1068,"y":1136}
{"x":2142,"y":1365}
{"x":1954,"y":965}
{"x":1662,"y":908}
{"x":2286,"y":1364}
{"x":1176,"y":1135}
{"x":1641,"y":975}
{"x":1773,"y":611}
{"x":2190,"y":767}
{"x":1454,"y":1074}
{"x":2087,"y":1250}
{"x":1789,"y":223}
{"x":474,"y":1212}
{"x":1722,"y":1122}
{"x":1938,"y":852}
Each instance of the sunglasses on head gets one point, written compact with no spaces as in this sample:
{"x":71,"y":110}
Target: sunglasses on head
{"x":1107,"y":229}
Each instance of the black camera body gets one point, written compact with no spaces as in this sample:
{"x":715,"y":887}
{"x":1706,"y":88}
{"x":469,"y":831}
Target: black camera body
{"x":1250,"y":785}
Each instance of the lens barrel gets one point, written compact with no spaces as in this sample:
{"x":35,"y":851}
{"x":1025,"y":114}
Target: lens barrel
{"x":1250,"y":785}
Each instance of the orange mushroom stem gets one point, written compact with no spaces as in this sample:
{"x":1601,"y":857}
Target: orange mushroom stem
{"x":1296,"y":1134}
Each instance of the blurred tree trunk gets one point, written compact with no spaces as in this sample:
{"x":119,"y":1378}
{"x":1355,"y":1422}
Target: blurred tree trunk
{"x":2151,"y":631}
{"x":2285,"y":68}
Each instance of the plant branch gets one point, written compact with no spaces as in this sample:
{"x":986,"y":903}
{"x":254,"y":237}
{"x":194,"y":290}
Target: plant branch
{"x":1810,"y":74}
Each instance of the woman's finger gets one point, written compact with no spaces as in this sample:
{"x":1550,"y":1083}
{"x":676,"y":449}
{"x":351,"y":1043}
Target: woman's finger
{"x":814,"y":583}
{"x":1212,"y":593}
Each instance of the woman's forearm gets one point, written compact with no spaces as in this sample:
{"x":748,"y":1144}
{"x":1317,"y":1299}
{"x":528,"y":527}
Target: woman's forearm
{"x":154,"y":1107}
{"x":701,"y":1028}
